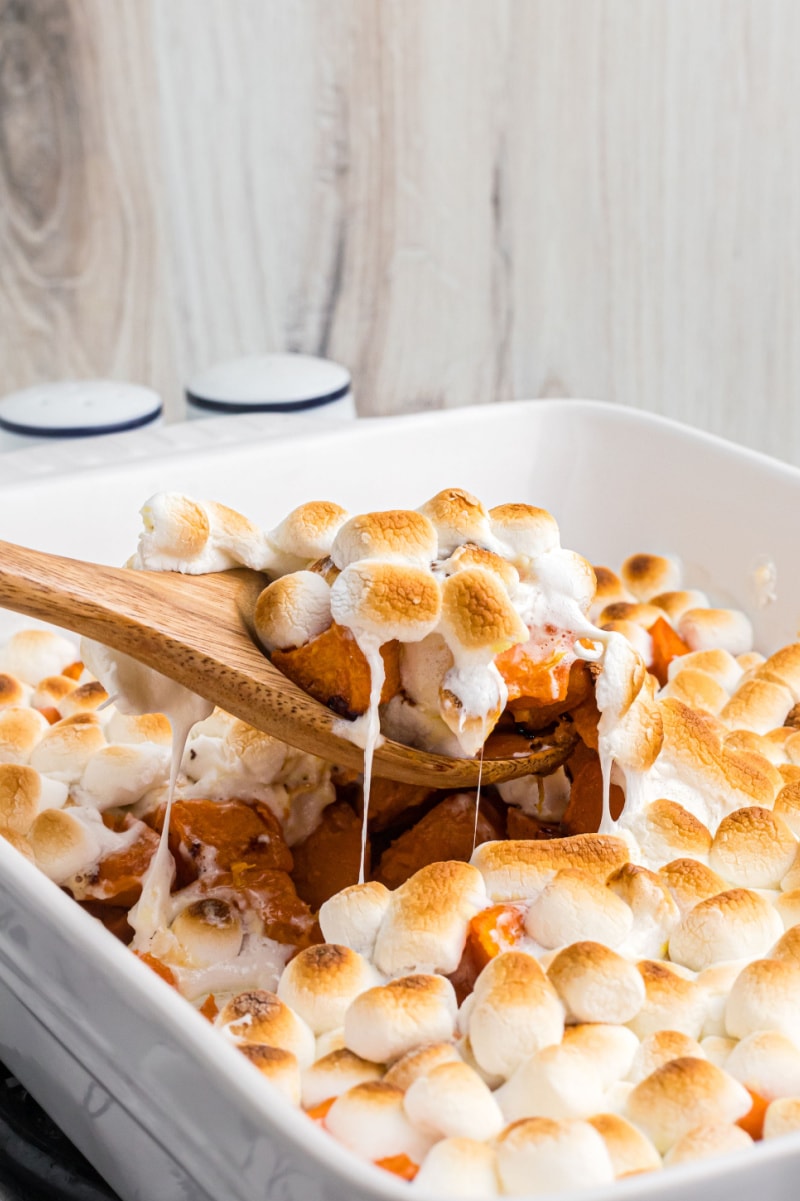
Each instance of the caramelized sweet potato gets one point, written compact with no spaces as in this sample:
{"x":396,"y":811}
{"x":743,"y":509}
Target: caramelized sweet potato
{"x":117,"y":879}
{"x":390,"y":800}
{"x":521,"y":825}
{"x":113,"y":917}
{"x":446,"y":832}
{"x":207,"y":838}
{"x":332,"y":668}
{"x":667,"y":645}
{"x":585,"y":808}
{"x":272,"y":895}
{"x":328,"y":860}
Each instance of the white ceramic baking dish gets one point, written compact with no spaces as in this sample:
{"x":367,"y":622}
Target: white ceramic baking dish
{"x":163,"y":1107}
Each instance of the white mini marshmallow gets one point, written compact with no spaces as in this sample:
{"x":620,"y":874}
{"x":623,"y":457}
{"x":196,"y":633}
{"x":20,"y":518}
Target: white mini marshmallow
{"x":370,"y":1119}
{"x":767,"y":1063}
{"x":413,"y":936}
{"x":764,"y":997}
{"x":660,"y":1048}
{"x":539,"y":1155}
{"x":117,"y":776}
{"x":514,"y":1010}
{"x":630,"y":1150}
{"x":782,"y":1117}
{"x":30,"y":655}
{"x":292,"y":610}
{"x":558,"y":1082}
{"x":574,"y":905}
{"x":451,"y":1101}
{"x":671,"y":1002}
{"x":353,"y":916}
{"x":335,"y":1073}
{"x":595,"y":984}
{"x":259,"y":1016}
{"x":24,"y":793}
{"x":734,"y":924}
{"x":383,"y":1023}
{"x":682,"y":1094}
{"x":321,"y":981}
{"x":706,"y":1142}
{"x":459,"y":1167}
{"x":716,"y":629}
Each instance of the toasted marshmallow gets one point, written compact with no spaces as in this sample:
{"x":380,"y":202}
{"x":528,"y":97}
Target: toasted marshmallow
{"x":791,"y":880}
{"x":30,"y":655}
{"x":608,"y":590}
{"x":767,"y":1063}
{"x":783,"y":668}
{"x":451,"y":1101}
{"x":697,"y":689}
{"x":575,"y":904}
{"x":671,"y":1002}
{"x":682,"y":1094}
{"x":514,"y":1011}
{"x":516,"y":870}
{"x":635,"y":634}
{"x":716,"y":982}
{"x":382,"y":601}
{"x":278,"y":1066}
{"x":782,"y":1117}
{"x":322,"y":980}
{"x":335,"y":1073}
{"x":178,"y":536}
{"x":787,"y":948}
{"x":698,"y":772}
{"x":717,"y":1048}
{"x":659,"y":1048}
{"x":764,"y":997}
{"x":631,"y":1151}
{"x":716,"y":629}
{"x":759,"y":705}
{"x":538,"y":1155}
{"x":458,"y":517}
{"x":353,"y":916}
{"x":306,"y":534}
{"x":677,"y":602}
{"x":292,"y":610}
{"x":65,"y":749}
{"x":665,"y":831}
{"x":370,"y":1119}
{"x":655,"y":913}
{"x":766,"y":746}
{"x":85,"y":698}
{"x":14,"y":692}
{"x":21,"y":730}
{"x":459,"y":1167}
{"x":465,"y":557}
{"x":627,"y":612}
{"x":524,"y":532}
{"x":67,"y":841}
{"x":121,"y":775}
{"x":647,"y":575}
{"x":419,"y":1062}
{"x":610,"y":1049}
{"x":753,"y":848}
{"x":24,"y":793}
{"x":143,"y":727}
{"x":413,"y":937}
{"x":557,"y":1082}
{"x":18,"y":843}
{"x":398,"y":536}
{"x":595,"y":984}
{"x":707,"y":1141}
{"x":208,"y":931}
{"x":735,"y":924}
{"x":261,"y":1017}
{"x":690,"y":882}
{"x":384,"y":1023}
{"x":719,"y":664}
{"x":787,"y":806}
{"x":788,"y":906}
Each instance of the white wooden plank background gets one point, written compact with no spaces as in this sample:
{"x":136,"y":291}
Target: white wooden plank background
{"x":463,"y":200}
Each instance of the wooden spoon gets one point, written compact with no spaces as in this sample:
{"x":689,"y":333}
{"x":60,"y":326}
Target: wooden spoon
{"x":196,"y":630}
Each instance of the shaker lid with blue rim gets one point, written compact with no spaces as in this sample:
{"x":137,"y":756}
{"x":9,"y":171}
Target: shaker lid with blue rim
{"x":78,"y":409}
{"x":273,"y":383}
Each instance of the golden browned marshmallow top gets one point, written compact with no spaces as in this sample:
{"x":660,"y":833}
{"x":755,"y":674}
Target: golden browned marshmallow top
{"x":783,"y":667}
{"x":477,"y":614}
{"x":647,"y":575}
{"x":757,"y":705}
{"x":690,"y":882}
{"x":671,"y":1001}
{"x":524,"y":531}
{"x":259,"y":1016}
{"x":680,"y":1095}
{"x":595,"y":984}
{"x":467,"y":556}
{"x":697,"y":689}
{"x":753,"y":848}
{"x":515,"y":870}
{"x":638,"y":613}
{"x":397,"y":536}
{"x":415,"y":935}
{"x":14,"y":692}
{"x":292,"y":610}
{"x":670,"y":831}
{"x":733,"y":925}
{"x":386,"y":600}
{"x":320,"y":982}
{"x":307,"y":533}
{"x":209,"y":931}
{"x":418,"y":1062}
{"x":278,"y":1066}
{"x":457,"y":517}
{"x":630,"y":1150}
{"x":20,"y":731}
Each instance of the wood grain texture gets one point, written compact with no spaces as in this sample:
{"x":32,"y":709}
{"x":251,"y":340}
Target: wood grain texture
{"x":463,"y":200}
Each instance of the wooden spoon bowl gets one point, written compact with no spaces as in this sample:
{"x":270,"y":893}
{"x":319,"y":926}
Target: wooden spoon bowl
{"x":196,"y":630}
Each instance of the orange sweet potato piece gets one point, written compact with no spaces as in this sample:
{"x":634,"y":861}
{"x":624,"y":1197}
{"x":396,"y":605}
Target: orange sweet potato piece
{"x":113,"y":917}
{"x":332,"y":668}
{"x":117,"y":878}
{"x":389,"y":800}
{"x":753,"y":1121}
{"x":328,"y":860}
{"x":585,"y":808}
{"x":157,"y":966}
{"x":272,"y":895}
{"x":319,"y":1112}
{"x":493,"y":930}
{"x":521,"y":825}
{"x":209,"y":1009}
{"x":208,"y":837}
{"x":73,"y":671}
{"x":399,"y":1165}
{"x":445,"y":832}
{"x":667,"y":645}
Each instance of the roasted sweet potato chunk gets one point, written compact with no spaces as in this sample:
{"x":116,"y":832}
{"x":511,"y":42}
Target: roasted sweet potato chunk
{"x":446,"y":832}
{"x":332,"y":668}
{"x":328,"y":860}
{"x":585,"y":809}
{"x":207,"y":838}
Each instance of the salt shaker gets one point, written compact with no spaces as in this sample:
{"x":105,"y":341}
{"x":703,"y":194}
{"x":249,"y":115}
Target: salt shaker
{"x":282,"y":384}
{"x":75,"y":409}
